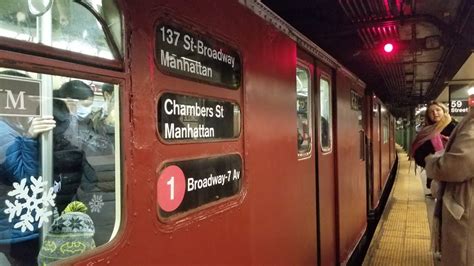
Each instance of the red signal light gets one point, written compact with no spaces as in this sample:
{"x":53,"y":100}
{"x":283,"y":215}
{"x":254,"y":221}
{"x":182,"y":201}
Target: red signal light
{"x":388,"y":47}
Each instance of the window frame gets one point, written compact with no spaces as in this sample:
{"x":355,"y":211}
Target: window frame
{"x":306,"y":67}
{"x":43,"y":59}
{"x":38,"y":49}
{"x":46,"y":63}
{"x":385,"y":126}
{"x":326,"y":150}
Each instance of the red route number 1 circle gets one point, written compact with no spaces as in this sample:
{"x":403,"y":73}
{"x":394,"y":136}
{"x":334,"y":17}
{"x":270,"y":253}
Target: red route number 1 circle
{"x":170,"y":188}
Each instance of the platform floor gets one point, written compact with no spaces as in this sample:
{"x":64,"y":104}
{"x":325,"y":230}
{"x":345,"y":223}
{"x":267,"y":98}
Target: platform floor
{"x":403,"y":236}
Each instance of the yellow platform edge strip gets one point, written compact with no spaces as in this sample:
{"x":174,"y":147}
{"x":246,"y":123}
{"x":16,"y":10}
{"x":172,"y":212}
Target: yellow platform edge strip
{"x":402,"y":236}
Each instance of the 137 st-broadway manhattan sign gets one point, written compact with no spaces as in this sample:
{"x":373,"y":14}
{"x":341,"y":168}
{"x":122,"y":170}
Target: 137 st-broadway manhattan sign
{"x":191,"y":55}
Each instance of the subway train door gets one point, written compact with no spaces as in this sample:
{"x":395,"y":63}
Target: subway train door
{"x":377,"y":180}
{"x":326,"y":173}
{"x":306,"y":136}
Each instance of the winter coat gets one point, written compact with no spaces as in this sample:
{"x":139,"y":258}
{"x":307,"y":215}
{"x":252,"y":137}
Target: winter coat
{"x":455,"y":170}
{"x":96,"y":191}
{"x":427,"y":147}
{"x":84,"y":133}
{"x":70,"y":166}
{"x":19,"y":159}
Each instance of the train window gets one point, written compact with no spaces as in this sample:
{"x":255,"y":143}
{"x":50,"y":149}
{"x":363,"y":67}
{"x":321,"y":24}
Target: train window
{"x":385,"y":125}
{"x":325,"y":122}
{"x":59,"y":166}
{"x":303,"y":112}
{"x":85,"y":26}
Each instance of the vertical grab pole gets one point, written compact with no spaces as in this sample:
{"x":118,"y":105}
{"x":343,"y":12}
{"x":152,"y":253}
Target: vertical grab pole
{"x":117,"y":150}
{"x":45,"y":37}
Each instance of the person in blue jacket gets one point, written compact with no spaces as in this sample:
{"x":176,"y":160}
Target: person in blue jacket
{"x":20,"y":160}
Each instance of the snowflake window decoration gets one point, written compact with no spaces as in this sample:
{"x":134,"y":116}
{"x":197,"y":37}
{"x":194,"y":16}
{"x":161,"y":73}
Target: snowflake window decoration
{"x":96,"y":203}
{"x":31,"y":204}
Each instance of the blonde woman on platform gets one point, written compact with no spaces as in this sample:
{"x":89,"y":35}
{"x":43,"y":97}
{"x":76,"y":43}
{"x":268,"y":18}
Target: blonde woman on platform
{"x":433,"y":136}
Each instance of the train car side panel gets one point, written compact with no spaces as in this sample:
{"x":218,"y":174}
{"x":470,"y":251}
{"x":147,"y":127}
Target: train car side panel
{"x":351,"y":176}
{"x":281,"y":202}
{"x":277,"y":204}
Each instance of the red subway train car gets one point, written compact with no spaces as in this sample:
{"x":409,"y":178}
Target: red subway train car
{"x":175,"y":132}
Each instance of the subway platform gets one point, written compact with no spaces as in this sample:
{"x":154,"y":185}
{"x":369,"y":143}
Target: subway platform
{"x":402,"y":236}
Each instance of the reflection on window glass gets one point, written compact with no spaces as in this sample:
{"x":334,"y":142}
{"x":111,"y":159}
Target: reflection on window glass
{"x":375,"y":112}
{"x":43,"y":216}
{"x":67,"y":25}
{"x":385,"y":127}
{"x":325,"y":122}
{"x":303,"y":111}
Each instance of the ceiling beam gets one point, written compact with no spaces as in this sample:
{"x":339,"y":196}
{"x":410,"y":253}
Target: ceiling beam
{"x":445,"y":28}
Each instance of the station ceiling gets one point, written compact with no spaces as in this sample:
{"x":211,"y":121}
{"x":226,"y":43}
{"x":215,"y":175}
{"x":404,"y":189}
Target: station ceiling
{"x":431,"y":38}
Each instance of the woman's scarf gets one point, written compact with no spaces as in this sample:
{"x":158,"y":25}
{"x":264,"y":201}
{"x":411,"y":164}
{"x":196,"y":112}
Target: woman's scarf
{"x":429,"y":132}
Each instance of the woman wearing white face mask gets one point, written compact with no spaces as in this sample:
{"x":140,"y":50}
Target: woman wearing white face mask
{"x":79,"y":97}
{"x":84,"y":132}
{"x":83,"y":110}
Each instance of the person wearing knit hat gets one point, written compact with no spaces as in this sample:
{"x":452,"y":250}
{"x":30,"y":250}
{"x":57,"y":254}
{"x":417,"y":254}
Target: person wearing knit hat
{"x":70,"y":234}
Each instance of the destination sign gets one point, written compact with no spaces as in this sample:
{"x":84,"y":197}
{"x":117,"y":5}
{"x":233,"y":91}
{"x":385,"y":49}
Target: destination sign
{"x":19,"y":96}
{"x":194,"y":56}
{"x":187,"y":185}
{"x":182,"y":117}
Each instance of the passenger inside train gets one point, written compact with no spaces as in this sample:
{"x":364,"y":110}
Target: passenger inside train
{"x":75,"y":143}
{"x":59,"y":148}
